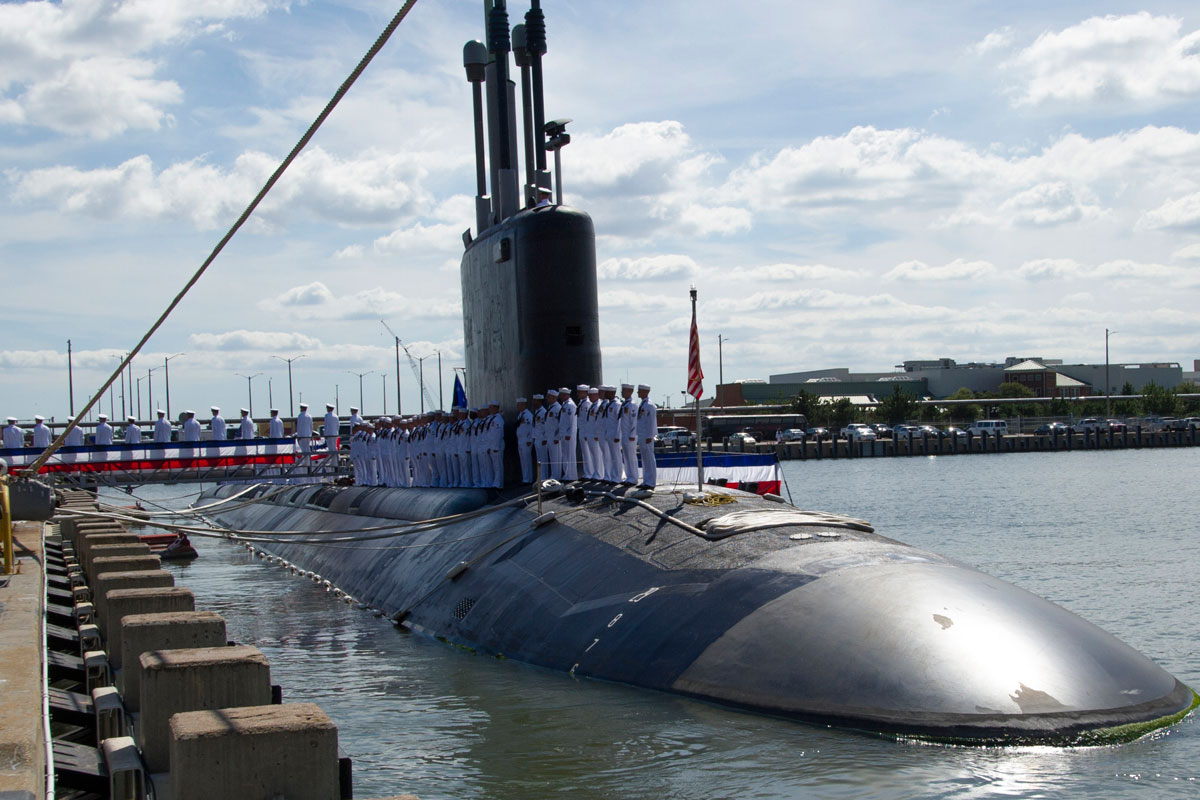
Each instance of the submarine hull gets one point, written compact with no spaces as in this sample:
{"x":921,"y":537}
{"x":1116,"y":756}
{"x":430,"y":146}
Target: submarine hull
{"x":846,"y":628}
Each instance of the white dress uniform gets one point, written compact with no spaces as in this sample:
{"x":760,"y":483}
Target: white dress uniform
{"x":75,"y":437}
{"x":104,"y":432}
{"x":612,"y":438}
{"x":304,"y":429}
{"x":162,"y":429}
{"x":525,"y":442}
{"x":42,"y":437}
{"x":191,"y":429}
{"x":14,"y":437}
{"x":480,"y":455}
{"x":275,"y":427}
{"x":628,"y":434}
{"x":581,"y":433}
{"x":647,"y":429}
{"x":541,"y":441}
{"x":217,"y":426}
{"x":246,"y":428}
{"x":133,"y":433}
{"x":554,"y":428}
{"x":567,"y":429}
{"x":331,"y":429}
{"x":594,"y":439}
{"x":494,"y":434}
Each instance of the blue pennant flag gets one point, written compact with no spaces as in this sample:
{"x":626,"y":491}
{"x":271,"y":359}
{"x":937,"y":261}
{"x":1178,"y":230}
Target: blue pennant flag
{"x":460,"y":394}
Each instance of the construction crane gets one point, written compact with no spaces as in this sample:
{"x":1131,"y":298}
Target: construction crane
{"x":417,"y":368}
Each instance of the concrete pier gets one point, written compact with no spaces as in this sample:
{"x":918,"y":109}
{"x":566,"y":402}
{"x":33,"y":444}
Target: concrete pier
{"x":125,"y":602}
{"x":138,"y":579}
{"x":141,"y":633}
{"x":22,"y":751}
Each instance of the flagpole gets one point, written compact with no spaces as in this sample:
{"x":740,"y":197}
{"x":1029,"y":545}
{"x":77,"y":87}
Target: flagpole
{"x":699,"y":421}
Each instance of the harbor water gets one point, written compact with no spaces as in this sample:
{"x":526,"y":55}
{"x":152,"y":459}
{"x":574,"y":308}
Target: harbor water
{"x":1112,"y":536}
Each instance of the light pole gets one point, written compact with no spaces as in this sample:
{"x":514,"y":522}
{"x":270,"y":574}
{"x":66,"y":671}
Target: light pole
{"x":291,"y":407}
{"x":360,"y":375}
{"x":139,"y":397}
{"x":70,"y":379}
{"x":167,"y":379}
{"x":441,"y":384}
{"x":383,"y":378}
{"x":122,"y":358}
{"x":270,"y":392}
{"x":720,"y":359}
{"x":1107,"y":382}
{"x":399,"y":407}
{"x":421,"y":378}
{"x":150,"y":391}
{"x":249,"y":392}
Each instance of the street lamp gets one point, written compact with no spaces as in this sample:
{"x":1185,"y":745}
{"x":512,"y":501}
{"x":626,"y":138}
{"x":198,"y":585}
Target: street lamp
{"x":421,"y":378}
{"x":70,"y":379}
{"x":291,"y":408}
{"x":720,"y":360}
{"x":150,"y":392}
{"x":139,"y":398}
{"x":383,"y":378}
{"x":122,"y":358}
{"x":360,"y":375}
{"x":167,"y":379}
{"x":249,"y":392}
{"x":1107,"y":382}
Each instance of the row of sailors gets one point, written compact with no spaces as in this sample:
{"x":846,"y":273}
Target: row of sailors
{"x":462,"y":448}
{"x":14,"y":435}
{"x":604,"y":433}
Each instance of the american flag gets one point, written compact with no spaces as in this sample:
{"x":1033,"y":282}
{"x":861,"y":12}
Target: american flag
{"x":695,"y":385}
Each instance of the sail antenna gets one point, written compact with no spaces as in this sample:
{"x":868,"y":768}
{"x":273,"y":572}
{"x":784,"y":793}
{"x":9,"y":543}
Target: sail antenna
{"x":535,"y":43}
{"x":556,"y":130}
{"x":475,"y":59}
{"x":504,"y":187}
{"x":521,"y":56}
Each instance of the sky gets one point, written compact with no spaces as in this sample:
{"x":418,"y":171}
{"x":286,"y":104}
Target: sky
{"x":852,"y":184}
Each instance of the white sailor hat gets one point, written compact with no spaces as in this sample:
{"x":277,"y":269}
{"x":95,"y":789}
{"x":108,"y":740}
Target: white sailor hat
{"x":274,"y":410}
{"x":626,"y":386}
{"x":160,"y":412}
{"x":11,"y":419}
{"x":354,"y":408}
{"x":304,"y":405}
{"x":131,"y":418}
{"x":38,"y":418}
{"x":493,"y":404}
{"x":564,"y":390}
{"x":244,"y":410}
{"x":522,"y":400}
{"x":535,"y":397}
{"x":101,"y":417}
{"x":583,"y":387}
{"x":643,"y":387}
{"x":593,"y":390}
{"x":329,"y":406}
{"x":190,"y":413}
{"x":214,"y":409}
{"x":551,"y":392}
{"x":70,"y":419}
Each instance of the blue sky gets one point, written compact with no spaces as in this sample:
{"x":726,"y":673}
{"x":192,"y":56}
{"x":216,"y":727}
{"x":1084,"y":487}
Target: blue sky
{"x":847,"y":185}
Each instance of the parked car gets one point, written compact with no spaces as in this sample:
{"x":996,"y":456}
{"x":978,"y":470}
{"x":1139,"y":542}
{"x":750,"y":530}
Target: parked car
{"x":881,"y":431}
{"x":1181,"y":424}
{"x":742,"y":439}
{"x":675,"y":437}
{"x":902,"y":431}
{"x":818,"y":434}
{"x":1049,"y":428}
{"x":858,"y":432}
{"x":1092,"y":424}
{"x":1167,"y":423}
{"x":791,"y":435}
{"x":1193,"y":421}
{"x":928,"y":430}
{"x":1115,"y":425}
{"x":995,"y":427}
{"x":956,"y":433}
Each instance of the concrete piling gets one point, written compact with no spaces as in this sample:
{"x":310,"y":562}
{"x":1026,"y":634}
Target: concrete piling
{"x":195,"y":679}
{"x":266,"y":751}
{"x":140,"y":579}
{"x":124,"y":562}
{"x":165,"y":630}
{"x":124,"y":602}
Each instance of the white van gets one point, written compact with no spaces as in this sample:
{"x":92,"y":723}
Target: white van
{"x":992,"y":427}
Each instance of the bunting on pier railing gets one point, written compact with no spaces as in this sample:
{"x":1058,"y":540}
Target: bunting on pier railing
{"x":164,"y":459}
{"x":746,"y":471}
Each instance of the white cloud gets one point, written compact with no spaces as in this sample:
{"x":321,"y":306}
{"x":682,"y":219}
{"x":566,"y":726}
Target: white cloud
{"x":419,"y":239}
{"x":793,"y":272}
{"x":314,"y":301}
{"x":267,"y":341}
{"x":998,"y":39}
{"x":1114,"y":59}
{"x":1180,"y":213}
{"x":372,"y":188}
{"x":1190,"y":252}
{"x":957,"y":270}
{"x":648,"y":268}
{"x":1049,"y":269}
{"x":84,"y":67}
{"x":722,"y":220}
{"x":1050,"y":203}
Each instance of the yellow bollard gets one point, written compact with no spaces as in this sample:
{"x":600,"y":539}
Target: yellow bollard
{"x":10,"y":564}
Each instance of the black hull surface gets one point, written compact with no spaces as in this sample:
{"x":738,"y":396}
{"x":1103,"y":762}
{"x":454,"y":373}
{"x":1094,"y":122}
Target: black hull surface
{"x":843,"y":626}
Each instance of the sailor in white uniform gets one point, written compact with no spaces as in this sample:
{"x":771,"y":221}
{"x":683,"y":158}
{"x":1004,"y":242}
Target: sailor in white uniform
{"x":541,"y":434}
{"x":355,"y":419}
{"x":275,"y":425}
{"x":246,"y":427}
{"x":191,"y":428}
{"x":104,"y":431}
{"x":162,"y":428}
{"x":42,"y":437}
{"x":647,"y":429}
{"x":14,"y":437}
{"x":568,"y":423}
{"x":133,"y":433}
{"x":494,"y":435}
{"x":554,"y":429}
{"x":628,"y":433}
{"x":217,"y":425}
{"x":525,"y":439}
{"x":331,"y":428}
{"x":304,"y":429}
{"x":582,"y":405}
{"x":75,"y":437}
{"x":593,"y":438}
{"x":612,"y":434}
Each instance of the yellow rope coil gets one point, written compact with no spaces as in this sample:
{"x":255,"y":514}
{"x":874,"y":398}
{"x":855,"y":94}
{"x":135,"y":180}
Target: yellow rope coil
{"x":712,"y":499}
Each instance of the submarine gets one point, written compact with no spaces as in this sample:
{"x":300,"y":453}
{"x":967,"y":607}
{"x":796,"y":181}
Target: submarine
{"x":730,"y":597}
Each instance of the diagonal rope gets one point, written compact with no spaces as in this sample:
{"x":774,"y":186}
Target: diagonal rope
{"x":262,"y":193}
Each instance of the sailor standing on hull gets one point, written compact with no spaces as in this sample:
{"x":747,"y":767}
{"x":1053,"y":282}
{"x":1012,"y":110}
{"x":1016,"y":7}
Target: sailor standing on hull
{"x":495,"y":438}
{"x":628,"y":434}
{"x":330,"y":429}
{"x":191,"y":428}
{"x":104,"y":431}
{"x":568,"y":429}
{"x":593,"y":438}
{"x":612,"y":435}
{"x":582,"y":406}
{"x":525,"y":439}
{"x":14,"y":437}
{"x":647,"y":429}
{"x":75,"y":437}
{"x":541,"y":435}
{"x":274,"y":431}
{"x":41,"y":434}
{"x":217,"y":425}
{"x":554,"y":428}
{"x":133,"y":434}
{"x":355,"y":419}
